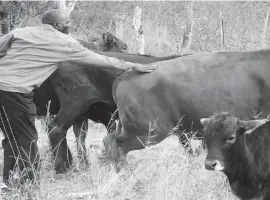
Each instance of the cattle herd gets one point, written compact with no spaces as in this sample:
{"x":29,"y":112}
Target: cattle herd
{"x":217,"y":94}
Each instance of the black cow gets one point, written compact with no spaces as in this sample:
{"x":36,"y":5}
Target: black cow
{"x":187,"y":88}
{"x":109,"y":43}
{"x":82,"y":92}
{"x":240,"y":149}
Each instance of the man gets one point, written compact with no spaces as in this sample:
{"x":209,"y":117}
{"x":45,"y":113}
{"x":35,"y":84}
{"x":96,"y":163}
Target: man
{"x":28,"y":57}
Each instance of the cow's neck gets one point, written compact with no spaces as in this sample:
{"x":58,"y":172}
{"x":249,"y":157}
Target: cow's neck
{"x":246,"y":177}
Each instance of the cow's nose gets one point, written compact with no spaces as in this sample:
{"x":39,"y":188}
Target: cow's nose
{"x":210,"y":164}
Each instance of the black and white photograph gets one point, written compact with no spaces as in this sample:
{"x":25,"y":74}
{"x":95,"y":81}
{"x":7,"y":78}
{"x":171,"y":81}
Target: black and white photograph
{"x":134,"y":100}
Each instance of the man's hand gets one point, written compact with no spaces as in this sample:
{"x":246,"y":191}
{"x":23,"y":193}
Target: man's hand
{"x":144,"y":68}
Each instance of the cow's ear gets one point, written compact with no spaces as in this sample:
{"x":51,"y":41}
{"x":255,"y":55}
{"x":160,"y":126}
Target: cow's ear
{"x":204,"y":121}
{"x":251,"y":125}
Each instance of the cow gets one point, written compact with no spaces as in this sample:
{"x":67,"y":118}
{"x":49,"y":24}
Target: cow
{"x":174,"y":97}
{"x":108,"y":42}
{"x":81,"y":93}
{"x":241,"y":150}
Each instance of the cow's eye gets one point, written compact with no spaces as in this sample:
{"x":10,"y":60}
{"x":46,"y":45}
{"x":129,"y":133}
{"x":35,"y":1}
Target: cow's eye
{"x":231,"y":139}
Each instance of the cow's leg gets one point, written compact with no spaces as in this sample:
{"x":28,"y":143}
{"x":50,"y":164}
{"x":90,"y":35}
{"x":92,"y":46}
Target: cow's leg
{"x":117,"y":148}
{"x":61,"y":153}
{"x":121,"y":161}
{"x":76,"y":95}
{"x":67,"y":115}
{"x":266,"y":188}
{"x":80,"y":128}
{"x":113,"y":149}
{"x":118,"y":144}
{"x":123,"y":140}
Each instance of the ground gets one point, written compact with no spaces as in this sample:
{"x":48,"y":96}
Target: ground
{"x":160,"y":172}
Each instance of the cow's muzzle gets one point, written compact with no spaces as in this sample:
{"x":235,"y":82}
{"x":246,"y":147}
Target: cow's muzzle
{"x":213,"y":165}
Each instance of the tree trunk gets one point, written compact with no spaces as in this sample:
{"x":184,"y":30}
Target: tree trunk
{"x":30,"y":13}
{"x":222,"y":37}
{"x":27,"y":17}
{"x":119,"y":25}
{"x":4,"y":19}
{"x":138,"y":28}
{"x":5,"y":28}
{"x":66,"y":7}
{"x":262,"y":40}
{"x":187,"y":36}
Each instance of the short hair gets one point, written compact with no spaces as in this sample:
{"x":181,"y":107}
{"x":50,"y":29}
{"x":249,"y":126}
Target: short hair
{"x":52,"y":16}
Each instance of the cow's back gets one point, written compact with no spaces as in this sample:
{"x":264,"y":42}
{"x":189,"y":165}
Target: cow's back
{"x":192,"y":87}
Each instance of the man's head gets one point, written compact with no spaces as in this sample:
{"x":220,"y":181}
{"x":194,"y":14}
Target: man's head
{"x":58,"y":19}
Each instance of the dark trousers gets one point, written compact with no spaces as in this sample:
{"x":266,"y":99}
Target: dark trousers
{"x":17,"y":122}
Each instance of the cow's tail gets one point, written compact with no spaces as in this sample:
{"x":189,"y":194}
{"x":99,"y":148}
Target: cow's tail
{"x":110,"y":153}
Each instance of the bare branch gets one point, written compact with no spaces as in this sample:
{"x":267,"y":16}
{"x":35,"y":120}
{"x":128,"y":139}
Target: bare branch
{"x":187,"y":36}
{"x":24,"y":21}
{"x":29,"y":15}
{"x":262,"y":41}
{"x":119,"y":25}
{"x":70,"y":6}
{"x":222,"y":37}
{"x":62,"y":5}
{"x":67,"y":8}
{"x":138,"y":28}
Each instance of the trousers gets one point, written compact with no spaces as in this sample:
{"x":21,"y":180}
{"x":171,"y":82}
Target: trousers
{"x":17,"y":122}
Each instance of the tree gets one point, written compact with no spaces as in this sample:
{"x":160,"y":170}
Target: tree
{"x":32,"y":9}
{"x":262,"y":40}
{"x":66,"y":7}
{"x":7,"y":15}
{"x":17,"y":14}
{"x":138,"y":28}
{"x":187,"y":35}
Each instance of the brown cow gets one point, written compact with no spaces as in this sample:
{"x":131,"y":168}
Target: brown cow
{"x":188,"y":88}
{"x":108,"y":43}
{"x":78,"y":93}
{"x":241,"y":150}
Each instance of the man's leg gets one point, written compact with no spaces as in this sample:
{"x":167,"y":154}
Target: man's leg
{"x":7,"y":143}
{"x":18,"y":118}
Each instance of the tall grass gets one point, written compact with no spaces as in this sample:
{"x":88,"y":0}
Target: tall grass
{"x":160,"y":172}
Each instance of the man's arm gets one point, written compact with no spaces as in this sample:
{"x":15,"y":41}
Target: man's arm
{"x":83,"y":56}
{"x":5,"y":42}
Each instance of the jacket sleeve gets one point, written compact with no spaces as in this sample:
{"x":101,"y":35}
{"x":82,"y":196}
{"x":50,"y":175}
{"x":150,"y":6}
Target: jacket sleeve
{"x":80,"y":55}
{"x":5,"y":43}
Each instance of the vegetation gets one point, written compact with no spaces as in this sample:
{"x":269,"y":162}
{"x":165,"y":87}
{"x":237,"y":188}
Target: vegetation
{"x":164,"y":171}
{"x":160,"y":172}
{"x":169,"y":27}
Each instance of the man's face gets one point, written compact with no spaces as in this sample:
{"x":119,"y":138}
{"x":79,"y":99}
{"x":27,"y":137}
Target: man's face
{"x":63,"y":26}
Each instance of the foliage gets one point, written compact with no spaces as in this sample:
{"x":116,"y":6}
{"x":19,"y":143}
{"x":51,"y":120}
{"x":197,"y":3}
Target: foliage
{"x":163,"y":22}
{"x":161,"y":172}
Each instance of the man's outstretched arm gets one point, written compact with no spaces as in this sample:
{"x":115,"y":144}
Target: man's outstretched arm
{"x":83,"y":56}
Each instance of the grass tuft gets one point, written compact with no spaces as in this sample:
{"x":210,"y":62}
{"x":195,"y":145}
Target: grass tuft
{"x":160,"y":172}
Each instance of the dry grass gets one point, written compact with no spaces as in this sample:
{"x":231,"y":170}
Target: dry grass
{"x":160,"y":172}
